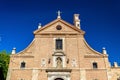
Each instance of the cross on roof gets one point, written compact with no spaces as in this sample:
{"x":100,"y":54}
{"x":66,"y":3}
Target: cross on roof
{"x":39,"y":25}
{"x":59,"y":14}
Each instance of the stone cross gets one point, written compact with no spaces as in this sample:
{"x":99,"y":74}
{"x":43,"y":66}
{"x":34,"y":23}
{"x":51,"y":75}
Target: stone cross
{"x":39,"y":25}
{"x":59,"y":14}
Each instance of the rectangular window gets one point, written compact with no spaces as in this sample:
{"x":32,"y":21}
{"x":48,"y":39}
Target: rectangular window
{"x":22,"y":65}
{"x":59,"y":45}
{"x":95,"y":66}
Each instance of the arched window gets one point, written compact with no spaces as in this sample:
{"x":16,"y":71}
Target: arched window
{"x":58,"y":79}
{"x":95,"y":66}
{"x":22,"y":64}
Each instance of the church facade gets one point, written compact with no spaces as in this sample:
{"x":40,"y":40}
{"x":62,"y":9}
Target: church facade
{"x":60,"y":52}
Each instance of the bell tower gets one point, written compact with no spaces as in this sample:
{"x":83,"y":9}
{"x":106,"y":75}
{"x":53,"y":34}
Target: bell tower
{"x":77,"y":21}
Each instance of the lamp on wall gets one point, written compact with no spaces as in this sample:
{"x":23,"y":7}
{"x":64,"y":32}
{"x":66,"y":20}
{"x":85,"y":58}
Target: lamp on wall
{"x":49,"y":61}
{"x":67,"y":61}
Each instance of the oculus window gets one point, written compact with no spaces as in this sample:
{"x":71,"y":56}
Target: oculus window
{"x":58,"y":27}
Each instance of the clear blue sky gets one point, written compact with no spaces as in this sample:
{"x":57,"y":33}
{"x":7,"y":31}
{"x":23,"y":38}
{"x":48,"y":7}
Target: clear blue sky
{"x":100,"y":19}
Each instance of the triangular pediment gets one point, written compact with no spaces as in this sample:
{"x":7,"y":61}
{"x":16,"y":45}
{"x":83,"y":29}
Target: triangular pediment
{"x":52,"y":28}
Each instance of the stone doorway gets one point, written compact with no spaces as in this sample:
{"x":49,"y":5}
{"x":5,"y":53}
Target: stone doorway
{"x":59,"y":79}
{"x":58,"y":75}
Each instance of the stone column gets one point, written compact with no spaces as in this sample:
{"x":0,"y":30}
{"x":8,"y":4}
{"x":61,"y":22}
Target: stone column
{"x":82,"y":74}
{"x":35,"y":74}
{"x":8,"y":74}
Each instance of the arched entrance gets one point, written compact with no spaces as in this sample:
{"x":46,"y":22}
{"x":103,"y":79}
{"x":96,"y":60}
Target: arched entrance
{"x":59,"y":79}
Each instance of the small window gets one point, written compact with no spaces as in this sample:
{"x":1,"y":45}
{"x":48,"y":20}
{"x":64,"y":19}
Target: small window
{"x":22,"y":65}
{"x":59,"y":44}
{"x":95,"y":66}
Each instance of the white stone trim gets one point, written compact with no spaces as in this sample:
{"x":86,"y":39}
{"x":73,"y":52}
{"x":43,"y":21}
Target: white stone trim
{"x":54,"y":75}
{"x":64,"y":62}
{"x":63,"y":43}
{"x":54,"y":61}
{"x":35,"y":74}
{"x":8,"y":74}
{"x":94,"y":61}
{"x":82,"y":74}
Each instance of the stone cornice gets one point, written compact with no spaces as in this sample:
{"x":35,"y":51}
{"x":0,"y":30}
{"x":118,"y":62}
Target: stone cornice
{"x":59,"y":20}
{"x":25,"y":56}
{"x":58,"y":70}
{"x":115,"y":67}
{"x":94,"y":56}
{"x":95,"y":69}
{"x":63,"y":33}
{"x":51,"y":35}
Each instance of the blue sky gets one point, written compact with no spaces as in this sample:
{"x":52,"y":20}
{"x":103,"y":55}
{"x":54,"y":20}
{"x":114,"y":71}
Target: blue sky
{"x":100,"y":19}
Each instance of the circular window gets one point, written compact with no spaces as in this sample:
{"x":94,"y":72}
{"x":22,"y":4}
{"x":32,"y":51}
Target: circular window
{"x":58,"y":27}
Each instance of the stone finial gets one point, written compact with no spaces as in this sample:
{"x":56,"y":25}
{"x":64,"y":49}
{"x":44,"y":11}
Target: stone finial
{"x":14,"y":50}
{"x":104,"y":50}
{"x":115,"y":64}
{"x":59,"y":16}
{"x":39,"y":26}
{"x":77,"y":20}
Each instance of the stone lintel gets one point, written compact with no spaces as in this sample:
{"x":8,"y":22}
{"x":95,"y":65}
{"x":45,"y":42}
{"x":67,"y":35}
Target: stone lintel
{"x":58,"y":70}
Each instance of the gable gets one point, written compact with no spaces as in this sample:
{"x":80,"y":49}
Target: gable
{"x":66,"y":28}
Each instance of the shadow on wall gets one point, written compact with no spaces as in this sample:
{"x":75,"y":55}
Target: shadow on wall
{"x":1,"y":74}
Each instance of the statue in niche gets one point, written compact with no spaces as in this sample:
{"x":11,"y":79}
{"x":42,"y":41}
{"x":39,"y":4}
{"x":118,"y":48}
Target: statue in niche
{"x":74,"y":64}
{"x":43,"y":62}
{"x":59,"y":62}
